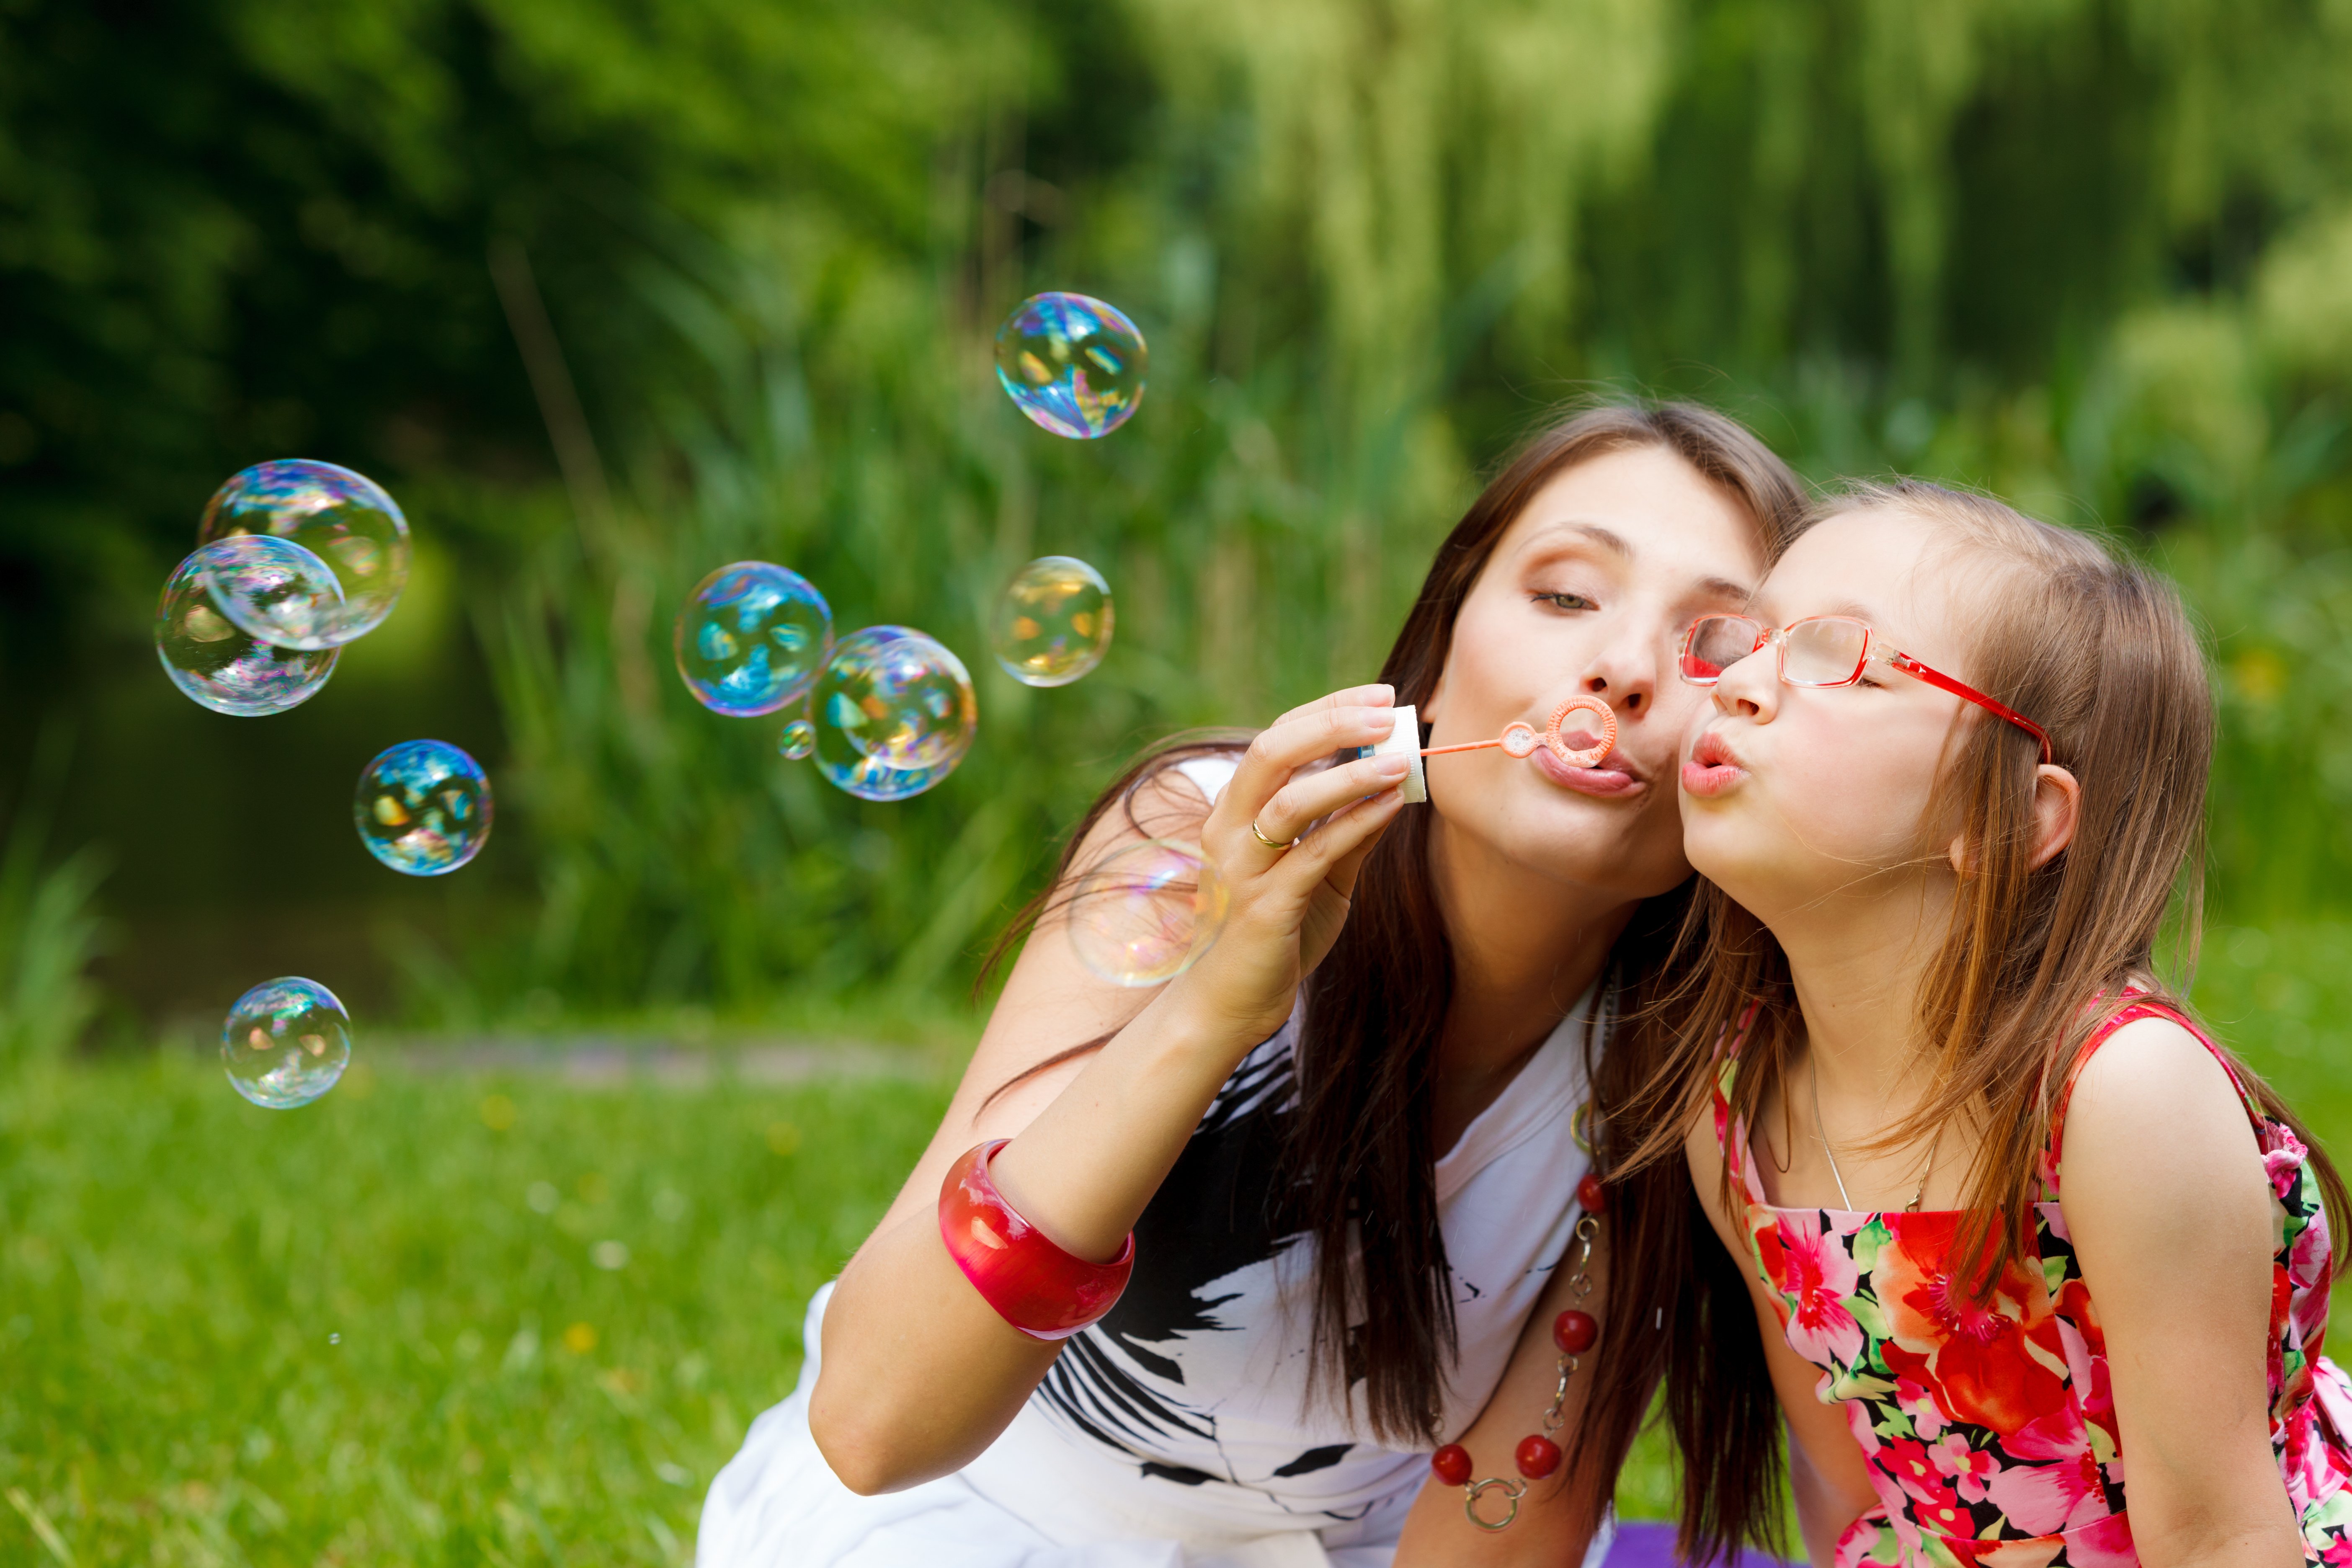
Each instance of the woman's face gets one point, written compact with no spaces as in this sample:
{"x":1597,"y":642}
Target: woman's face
{"x":1792,"y":795}
{"x":1588,"y":591}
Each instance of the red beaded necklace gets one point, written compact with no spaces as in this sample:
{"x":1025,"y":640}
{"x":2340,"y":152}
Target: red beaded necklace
{"x":1574,"y":1332}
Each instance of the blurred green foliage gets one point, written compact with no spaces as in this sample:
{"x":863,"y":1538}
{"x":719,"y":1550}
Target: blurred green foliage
{"x":2092,"y":254}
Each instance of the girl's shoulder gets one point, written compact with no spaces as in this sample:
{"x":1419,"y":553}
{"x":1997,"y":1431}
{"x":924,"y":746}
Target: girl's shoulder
{"x":2152,"y":1090}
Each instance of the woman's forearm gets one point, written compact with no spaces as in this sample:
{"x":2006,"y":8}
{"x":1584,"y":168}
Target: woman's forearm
{"x":919,"y":1374}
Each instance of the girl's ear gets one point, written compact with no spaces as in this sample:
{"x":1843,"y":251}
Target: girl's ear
{"x":2057,"y":808}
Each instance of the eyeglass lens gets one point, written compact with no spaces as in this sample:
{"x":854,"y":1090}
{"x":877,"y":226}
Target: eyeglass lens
{"x":1826,"y":652}
{"x":1716,"y":643}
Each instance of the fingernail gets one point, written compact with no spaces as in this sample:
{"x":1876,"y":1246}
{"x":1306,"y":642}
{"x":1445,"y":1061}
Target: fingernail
{"x":1391,"y":767}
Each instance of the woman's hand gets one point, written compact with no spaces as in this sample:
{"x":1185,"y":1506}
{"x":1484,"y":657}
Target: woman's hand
{"x":1289,"y":901}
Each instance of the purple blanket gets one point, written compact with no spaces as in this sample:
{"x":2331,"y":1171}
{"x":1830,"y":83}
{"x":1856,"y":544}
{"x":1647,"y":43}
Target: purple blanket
{"x":1653,"y":1546}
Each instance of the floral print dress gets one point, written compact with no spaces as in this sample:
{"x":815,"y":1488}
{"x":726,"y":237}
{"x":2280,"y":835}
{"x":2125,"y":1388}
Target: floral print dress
{"x":1989,"y":1430}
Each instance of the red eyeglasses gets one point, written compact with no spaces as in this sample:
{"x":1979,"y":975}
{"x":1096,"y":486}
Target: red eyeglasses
{"x":1822,"y":650}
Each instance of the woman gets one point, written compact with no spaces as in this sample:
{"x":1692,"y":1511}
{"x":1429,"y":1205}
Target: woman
{"x":1344,"y":1141}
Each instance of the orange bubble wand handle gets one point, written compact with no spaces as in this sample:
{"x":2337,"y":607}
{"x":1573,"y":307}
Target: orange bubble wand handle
{"x":1520,"y":739}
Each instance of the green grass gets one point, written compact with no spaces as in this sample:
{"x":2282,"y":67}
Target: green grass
{"x":375,"y":1331}
{"x":347,"y":1335}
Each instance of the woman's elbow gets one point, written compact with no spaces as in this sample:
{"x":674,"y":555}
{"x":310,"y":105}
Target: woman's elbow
{"x":864,"y":1454}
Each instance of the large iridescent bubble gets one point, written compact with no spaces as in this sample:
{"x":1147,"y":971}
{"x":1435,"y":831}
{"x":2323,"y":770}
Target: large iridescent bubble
{"x":900,"y":696}
{"x":285,"y":1042}
{"x":751,"y":638}
{"x":225,"y":669}
{"x":1147,"y":913}
{"x":1052,"y":622}
{"x":342,"y":518}
{"x":422,"y":807}
{"x":1073,"y":364}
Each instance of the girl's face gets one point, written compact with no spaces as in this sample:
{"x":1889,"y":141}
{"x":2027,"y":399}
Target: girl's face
{"x":1790,"y":793}
{"x":1588,"y":591}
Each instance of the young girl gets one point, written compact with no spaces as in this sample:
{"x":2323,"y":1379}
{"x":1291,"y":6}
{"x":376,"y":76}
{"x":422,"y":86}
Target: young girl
{"x":2041,"y":1270}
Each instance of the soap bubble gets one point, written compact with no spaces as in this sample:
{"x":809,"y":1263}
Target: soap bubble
{"x":344,"y":519}
{"x":797,"y":741}
{"x":1147,"y":913}
{"x":285,"y":1042}
{"x":422,"y":807}
{"x":751,"y":638}
{"x":898,"y":697}
{"x":1074,"y":365}
{"x":224,"y":668}
{"x":869,"y":778}
{"x":1052,"y":622}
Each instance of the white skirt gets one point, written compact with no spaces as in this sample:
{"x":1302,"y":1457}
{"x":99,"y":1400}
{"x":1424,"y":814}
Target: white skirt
{"x":778,"y":1505}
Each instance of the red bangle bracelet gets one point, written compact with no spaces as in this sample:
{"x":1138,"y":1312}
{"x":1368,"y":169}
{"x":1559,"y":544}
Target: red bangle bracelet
{"x":1033,"y":1285}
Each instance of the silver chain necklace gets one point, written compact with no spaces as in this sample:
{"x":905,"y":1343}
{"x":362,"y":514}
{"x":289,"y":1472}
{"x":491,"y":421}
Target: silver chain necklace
{"x":1821,"y":1136}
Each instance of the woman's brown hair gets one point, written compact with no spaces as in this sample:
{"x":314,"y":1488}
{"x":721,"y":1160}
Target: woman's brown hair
{"x":2099,"y":651}
{"x":1366,"y":1053}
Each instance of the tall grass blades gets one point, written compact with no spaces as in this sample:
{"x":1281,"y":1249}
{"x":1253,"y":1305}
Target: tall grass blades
{"x":49,"y":927}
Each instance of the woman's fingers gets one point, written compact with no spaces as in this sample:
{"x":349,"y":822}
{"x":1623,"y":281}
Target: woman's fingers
{"x":1342,"y":840}
{"x":1307,"y":796}
{"x":1347,"y":862}
{"x":1306,"y":737}
{"x":1374,"y":696}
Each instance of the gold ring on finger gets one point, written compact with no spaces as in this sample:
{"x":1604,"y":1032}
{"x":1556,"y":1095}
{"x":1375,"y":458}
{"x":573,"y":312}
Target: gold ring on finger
{"x":1274,"y":844}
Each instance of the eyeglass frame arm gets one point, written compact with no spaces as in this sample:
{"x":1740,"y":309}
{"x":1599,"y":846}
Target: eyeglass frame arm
{"x":1912,"y":666}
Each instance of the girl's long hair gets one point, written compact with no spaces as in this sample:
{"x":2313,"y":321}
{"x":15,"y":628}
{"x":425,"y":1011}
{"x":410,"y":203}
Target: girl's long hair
{"x":2100,"y":653}
{"x":1358,"y":1167}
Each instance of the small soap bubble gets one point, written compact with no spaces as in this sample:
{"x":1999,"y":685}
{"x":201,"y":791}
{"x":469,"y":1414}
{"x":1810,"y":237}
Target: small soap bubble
{"x":1074,"y":365}
{"x":1052,"y":622}
{"x":898,"y":697}
{"x":422,"y":807}
{"x":344,"y":519}
{"x":285,"y":1042}
{"x":224,"y":668}
{"x":797,"y":741}
{"x":1147,"y":913}
{"x":751,"y":638}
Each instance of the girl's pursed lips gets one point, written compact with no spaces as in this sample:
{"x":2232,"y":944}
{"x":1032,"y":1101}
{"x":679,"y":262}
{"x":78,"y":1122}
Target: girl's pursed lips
{"x":1712,"y":750}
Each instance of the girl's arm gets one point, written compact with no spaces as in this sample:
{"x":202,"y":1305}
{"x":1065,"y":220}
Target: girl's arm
{"x":1827,"y":1474}
{"x":2168,"y":1207}
{"x":919,"y":1374}
{"x":1554,"y":1525}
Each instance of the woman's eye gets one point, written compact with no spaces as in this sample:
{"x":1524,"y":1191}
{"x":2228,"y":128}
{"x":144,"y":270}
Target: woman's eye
{"x":1874,"y":685}
{"x":1564,"y":601}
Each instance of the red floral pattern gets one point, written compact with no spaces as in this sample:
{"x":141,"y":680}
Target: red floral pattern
{"x":1989,"y":1428}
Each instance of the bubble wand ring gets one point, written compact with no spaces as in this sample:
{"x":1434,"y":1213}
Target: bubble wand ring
{"x":1520,"y":739}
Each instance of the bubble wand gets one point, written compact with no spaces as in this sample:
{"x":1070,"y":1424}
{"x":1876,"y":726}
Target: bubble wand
{"x":1519,"y":739}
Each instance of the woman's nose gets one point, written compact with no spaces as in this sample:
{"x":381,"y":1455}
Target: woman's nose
{"x":1628,"y":682}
